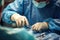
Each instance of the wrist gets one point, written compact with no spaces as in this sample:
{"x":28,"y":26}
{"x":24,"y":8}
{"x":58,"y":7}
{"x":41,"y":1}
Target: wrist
{"x":45,"y":24}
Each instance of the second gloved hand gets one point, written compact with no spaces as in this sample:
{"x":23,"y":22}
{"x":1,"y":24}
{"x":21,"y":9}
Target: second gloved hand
{"x":20,"y":20}
{"x":40,"y":26}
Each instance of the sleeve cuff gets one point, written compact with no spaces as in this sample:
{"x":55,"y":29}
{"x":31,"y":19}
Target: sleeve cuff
{"x":7,"y":17}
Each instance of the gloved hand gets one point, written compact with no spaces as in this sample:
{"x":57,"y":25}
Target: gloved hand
{"x":20,"y":20}
{"x":40,"y":26}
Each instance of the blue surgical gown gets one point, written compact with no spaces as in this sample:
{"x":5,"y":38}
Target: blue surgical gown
{"x":50,"y":13}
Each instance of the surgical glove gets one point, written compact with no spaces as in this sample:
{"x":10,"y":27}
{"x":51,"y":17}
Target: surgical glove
{"x":20,"y":20}
{"x":40,"y":26}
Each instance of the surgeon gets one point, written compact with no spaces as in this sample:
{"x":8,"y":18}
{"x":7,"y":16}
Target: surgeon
{"x":40,"y":14}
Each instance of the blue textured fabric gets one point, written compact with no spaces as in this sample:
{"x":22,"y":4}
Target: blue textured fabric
{"x":34,"y":14}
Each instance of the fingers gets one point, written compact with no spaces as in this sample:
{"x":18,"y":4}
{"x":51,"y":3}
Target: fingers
{"x":36,"y":27}
{"x":17,"y":23}
{"x":26,"y":22}
{"x":22,"y":21}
